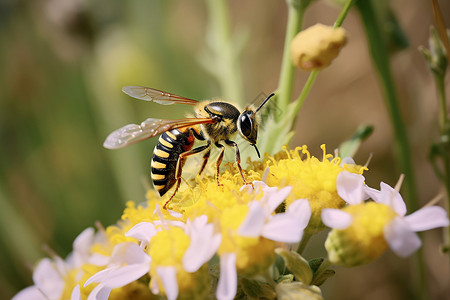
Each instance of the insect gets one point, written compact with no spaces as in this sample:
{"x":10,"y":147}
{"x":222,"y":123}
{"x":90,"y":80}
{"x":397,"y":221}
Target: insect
{"x":215,"y":122}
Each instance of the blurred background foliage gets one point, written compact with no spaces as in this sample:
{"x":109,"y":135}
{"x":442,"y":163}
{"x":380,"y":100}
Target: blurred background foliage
{"x":63,"y":63}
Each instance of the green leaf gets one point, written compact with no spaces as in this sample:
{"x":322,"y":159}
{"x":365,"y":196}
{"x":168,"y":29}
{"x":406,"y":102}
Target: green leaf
{"x":296,"y":264}
{"x":321,"y":278}
{"x":350,"y":147}
{"x":255,"y":289}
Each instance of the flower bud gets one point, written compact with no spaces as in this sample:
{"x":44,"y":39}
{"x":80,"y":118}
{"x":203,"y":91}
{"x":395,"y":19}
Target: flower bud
{"x":316,"y":46}
{"x":363,"y":241}
{"x":436,"y":56}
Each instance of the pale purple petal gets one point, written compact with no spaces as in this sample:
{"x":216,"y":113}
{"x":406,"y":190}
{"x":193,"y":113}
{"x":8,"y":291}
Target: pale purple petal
{"x":347,"y":161}
{"x":101,"y":275}
{"x":273,"y":197}
{"x":154,"y":286}
{"x":175,"y":214}
{"x":31,"y":292}
{"x":254,"y":220}
{"x":100,"y":292}
{"x":168,"y":277}
{"x":401,"y":239}
{"x":128,"y":253}
{"x":227,"y":286}
{"x":125,"y":275}
{"x":143,"y":231}
{"x":84,"y":240}
{"x":98,"y":259}
{"x":48,"y":280}
{"x":76,"y":293}
{"x":392,"y":198}
{"x":204,"y":243}
{"x":301,"y":210}
{"x":336,"y":218}
{"x":350,"y":187}
{"x":251,"y":188}
{"x":427,"y":218}
{"x":283,"y":228}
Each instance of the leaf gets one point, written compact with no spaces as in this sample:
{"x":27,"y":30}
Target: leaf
{"x":296,"y":264}
{"x":255,"y":289}
{"x":319,"y":280}
{"x":297,"y":291}
{"x":350,"y":147}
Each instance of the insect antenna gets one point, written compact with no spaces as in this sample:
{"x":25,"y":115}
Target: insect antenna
{"x":264,"y":102}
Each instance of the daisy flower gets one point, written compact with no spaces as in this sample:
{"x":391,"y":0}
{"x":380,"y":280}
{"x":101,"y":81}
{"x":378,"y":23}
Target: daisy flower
{"x":363,"y":230}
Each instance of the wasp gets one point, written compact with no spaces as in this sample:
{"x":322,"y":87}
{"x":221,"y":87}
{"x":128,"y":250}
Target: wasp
{"x":215,"y":122}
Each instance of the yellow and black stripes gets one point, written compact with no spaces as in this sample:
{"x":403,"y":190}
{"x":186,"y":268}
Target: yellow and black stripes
{"x":165,"y":157}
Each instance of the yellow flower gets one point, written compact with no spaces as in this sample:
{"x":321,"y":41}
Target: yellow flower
{"x":311,"y":179}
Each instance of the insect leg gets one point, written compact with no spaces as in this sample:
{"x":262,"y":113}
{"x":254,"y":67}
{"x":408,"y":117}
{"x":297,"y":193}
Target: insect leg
{"x":205,"y":160}
{"x":238,"y":158}
{"x":219,"y":160}
{"x":179,"y":168}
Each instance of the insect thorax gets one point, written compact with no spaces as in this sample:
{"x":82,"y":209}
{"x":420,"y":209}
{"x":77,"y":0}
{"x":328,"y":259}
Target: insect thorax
{"x":226,"y":114}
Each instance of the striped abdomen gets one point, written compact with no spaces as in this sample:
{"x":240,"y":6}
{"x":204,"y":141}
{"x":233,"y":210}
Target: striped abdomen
{"x":165,"y":157}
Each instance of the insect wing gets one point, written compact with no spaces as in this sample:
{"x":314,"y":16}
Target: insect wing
{"x":133,"y":133}
{"x":160,"y":97}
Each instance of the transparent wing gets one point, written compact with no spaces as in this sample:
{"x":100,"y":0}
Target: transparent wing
{"x":160,"y":97}
{"x":133,"y":133}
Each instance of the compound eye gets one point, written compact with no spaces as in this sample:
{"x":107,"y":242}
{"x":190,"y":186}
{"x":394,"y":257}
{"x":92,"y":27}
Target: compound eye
{"x":246,"y":124}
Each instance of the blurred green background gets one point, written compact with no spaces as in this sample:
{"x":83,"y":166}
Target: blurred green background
{"x":64,"y":62}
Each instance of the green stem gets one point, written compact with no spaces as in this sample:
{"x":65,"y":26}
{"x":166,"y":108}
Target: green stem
{"x":296,"y":13}
{"x":223,"y":47}
{"x":305,"y":239}
{"x":380,"y":58}
{"x":313,"y":75}
{"x":443,"y":123}
{"x":443,"y":118}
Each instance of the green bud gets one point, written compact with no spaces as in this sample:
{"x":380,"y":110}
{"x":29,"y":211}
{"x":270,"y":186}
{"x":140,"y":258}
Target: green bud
{"x":436,"y":56}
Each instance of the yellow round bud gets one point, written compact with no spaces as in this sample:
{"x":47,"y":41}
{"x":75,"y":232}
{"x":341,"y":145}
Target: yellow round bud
{"x":363,"y":241}
{"x":316,"y":46}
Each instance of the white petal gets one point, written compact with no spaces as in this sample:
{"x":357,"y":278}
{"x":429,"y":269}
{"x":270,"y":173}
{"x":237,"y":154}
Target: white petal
{"x":301,"y":210}
{"x":391,"y":197}
{"x":336,"y":218}
{"x":31,"y":292}
{"x":76,"y":293}
{"x":427,"y":218}
{"x":129,"y":253}
{"x":48,"y":280}
{"x":100,"y":276}
{"x":168,"y":277}
{"x":273,"y":197}
{"x":84,"y":240}
{"x":283,"y":228}
{"x":175,"y":214}
{"x":100,"y":292}
{"x":254,"y":221}
{"x":401,"y":239}
{"x":143,"y":231}
{"x":227,"y":286}
{"x":125,"y":275}
{"x":204,"y":243}
{"x":347,"y":161}
{"x":350,"y":187}
{"x":98,"y":259}
{"x":251,"y":188}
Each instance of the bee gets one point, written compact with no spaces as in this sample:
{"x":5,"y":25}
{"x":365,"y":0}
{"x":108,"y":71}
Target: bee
{"x":215,"y":122}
